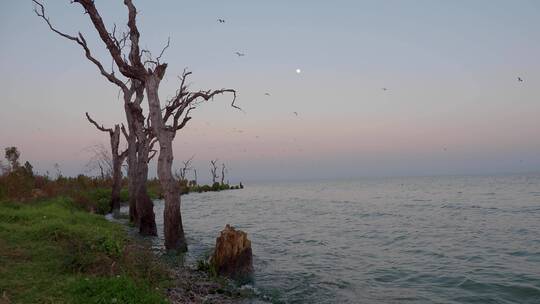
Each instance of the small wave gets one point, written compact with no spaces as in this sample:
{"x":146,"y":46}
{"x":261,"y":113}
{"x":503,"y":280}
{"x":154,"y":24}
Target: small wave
{"x":396,"y":239}
{"x":373,"y":214}
{"x":317,"y":242}
{"x":475,"y":259}
{"x":425,"y":253}
{"x":459,"y":206}
{"x":341,"y":284}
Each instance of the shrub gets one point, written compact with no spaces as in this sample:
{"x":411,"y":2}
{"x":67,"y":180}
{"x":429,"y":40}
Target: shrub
{"x":124,"y":195}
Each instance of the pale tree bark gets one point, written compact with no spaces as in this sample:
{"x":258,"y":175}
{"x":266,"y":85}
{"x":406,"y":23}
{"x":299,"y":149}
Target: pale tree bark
{"x":213,"y":171}
{"x":172,"y":220}
{"x":164,"y":124}
{"x":131,"y":139}
{"x":143,"y":204}
{"x":117,"y":160}
{"x":223,"y":169}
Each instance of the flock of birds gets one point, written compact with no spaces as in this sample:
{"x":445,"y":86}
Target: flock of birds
{"x":298,"y":71}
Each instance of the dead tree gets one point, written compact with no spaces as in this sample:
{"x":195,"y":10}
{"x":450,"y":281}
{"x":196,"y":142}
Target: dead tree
{"x":175,"y":117}
{"x":223,"y":170}
{"x":117,"y":160}
{"x":165,"y":122}
{"x":213,"y":171}
{"x":181,"y":175}
{"x":139,"y":200}
{"x":100,"y":160}
{"x":12,"y":155}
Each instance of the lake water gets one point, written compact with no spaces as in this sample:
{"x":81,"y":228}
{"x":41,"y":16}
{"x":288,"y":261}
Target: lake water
{"x":385,"y":240}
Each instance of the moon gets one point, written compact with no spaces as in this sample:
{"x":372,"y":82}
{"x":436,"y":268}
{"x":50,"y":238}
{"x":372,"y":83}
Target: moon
{"x":298,"y":71}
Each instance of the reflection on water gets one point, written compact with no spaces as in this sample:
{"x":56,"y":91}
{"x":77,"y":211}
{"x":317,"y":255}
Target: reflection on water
{"x":395,"y":240}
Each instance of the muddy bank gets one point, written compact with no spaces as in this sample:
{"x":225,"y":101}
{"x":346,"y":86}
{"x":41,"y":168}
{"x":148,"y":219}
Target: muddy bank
{"x":194,"y":286}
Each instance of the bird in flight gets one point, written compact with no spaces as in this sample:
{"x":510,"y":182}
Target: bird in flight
{"x":295,"y":113}
{"x":240,"y":54}
{"x":221,"y":20}
{"x":267,"y":94}
{"x":384,"y":89}
{"x":519,"y":79}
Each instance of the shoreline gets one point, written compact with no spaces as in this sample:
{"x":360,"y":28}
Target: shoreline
{"x":195,"y":286}
{"x":54,"y":251}
{"x":191,"y":285}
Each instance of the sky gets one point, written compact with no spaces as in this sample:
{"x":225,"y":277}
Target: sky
{"x":453,"y":104}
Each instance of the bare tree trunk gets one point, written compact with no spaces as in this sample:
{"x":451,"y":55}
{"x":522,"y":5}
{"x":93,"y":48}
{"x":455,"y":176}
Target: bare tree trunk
{"x":141,"y":206}
{"x":213,"y":170}
{"x":117,"y":159}
{"x":222,"y":173}
{"x":101,"y":170}
{"x":144,"y":205}
{"x":174,"y":231}
{"x":195,"y":172}
{"x":132,"y":167}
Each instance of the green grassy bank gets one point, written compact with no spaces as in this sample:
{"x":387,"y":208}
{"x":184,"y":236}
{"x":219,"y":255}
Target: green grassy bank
{"x":55,"y":252}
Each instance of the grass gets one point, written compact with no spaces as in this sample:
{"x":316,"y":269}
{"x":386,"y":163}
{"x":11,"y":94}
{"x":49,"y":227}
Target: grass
{"x":54,"y":252}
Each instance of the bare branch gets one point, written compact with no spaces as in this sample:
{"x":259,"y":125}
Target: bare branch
{"x":41,"y":13}
{"x":186,"y":119}
{"x":163,"y":50}
{"x":181,"y":175}
{"x":126,"y":135}
{"x":101,"y":128}
{"x":136,"y":70}
{"x":210,"y":95}
{"x":100,"y":159}
{"x":184,"y":102}
{"x":134,"y":56}
{"x":123,"y":155}
{"x":152,"y":143}
{"x":39,"y":9}
{"x":154,"y":152}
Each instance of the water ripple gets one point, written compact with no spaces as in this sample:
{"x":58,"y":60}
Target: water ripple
{"x":397,"y":240}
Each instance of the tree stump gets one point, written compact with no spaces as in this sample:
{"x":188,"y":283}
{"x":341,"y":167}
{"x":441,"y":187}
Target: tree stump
{"x":233,"y":256}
